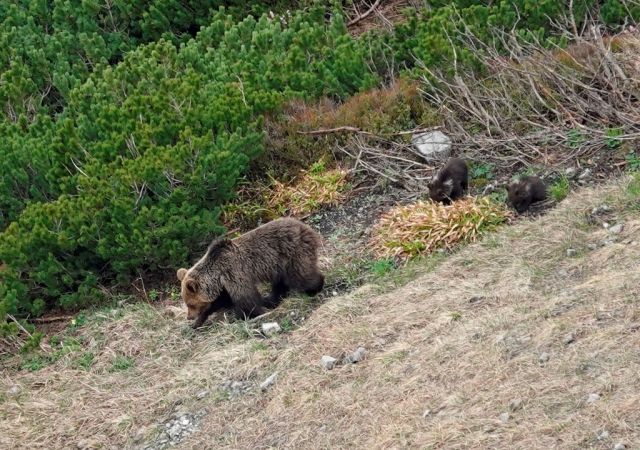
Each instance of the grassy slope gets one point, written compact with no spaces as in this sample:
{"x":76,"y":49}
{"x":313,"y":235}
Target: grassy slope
{"x":428,"y":348}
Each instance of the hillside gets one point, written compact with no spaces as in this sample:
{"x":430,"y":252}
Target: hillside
{"x":526,"y":339}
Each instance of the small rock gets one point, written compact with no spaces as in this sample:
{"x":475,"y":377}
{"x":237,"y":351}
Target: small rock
{"x":619,"y":446}
{"x":355,"y":357}
{"x":266,"y":384}
{"x":270,"y":328}
{"x":616,"y":229}
{"x":515,"y":404}
{"x":432,"y":145}
{"x":604,"y":434}
{"x":592,"y":246}
{"x":585,"y":175}
{"x":202,"y":394}
{"x":569,"y":339}
{"x":571,"y":252}
{"x":544,"y":357}
{"x":86,"y":444}
{"x":184,"y":421}
{"x":592,"y":398}
{"x":328,"y":362}
{"x":476,"y":299}
{"x":426,"y":413}
{"x":334,"y":293}
{"x":570,"y":172}
{"x":14,"y":390}
{"x":602,"y":209}
{"x":504,"y":417}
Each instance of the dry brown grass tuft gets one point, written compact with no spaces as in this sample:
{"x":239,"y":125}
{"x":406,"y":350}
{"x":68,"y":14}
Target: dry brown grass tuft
{"x":313,"y":188}
{"x":422,"y":227}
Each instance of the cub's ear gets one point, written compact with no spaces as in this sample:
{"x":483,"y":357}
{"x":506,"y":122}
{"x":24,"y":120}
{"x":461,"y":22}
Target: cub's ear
{"x":181,"y":273}
{"x":192,"y":285}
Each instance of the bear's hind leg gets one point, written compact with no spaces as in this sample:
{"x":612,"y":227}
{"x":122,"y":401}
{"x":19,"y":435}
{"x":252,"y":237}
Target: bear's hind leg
{"x":248,"y":303}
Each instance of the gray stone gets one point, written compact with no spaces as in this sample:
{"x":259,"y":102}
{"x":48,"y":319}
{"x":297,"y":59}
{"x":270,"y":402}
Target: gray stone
{"x":355,"y":357}
{"x":328,"y":362}
{"x":604,"y":434}
{"x":515,"y":404}
{"x":270,"y":328}
{"x":616,"y":229}
{"x":619,"y":446}
{"x":14,"y":390}
{"x":602,"y":209}
{"x":266,"y":384}
{"x":426,"y":413}
{"x":592,"y":398}
{"x":504,"y":417}
{"x":585,"y":175}
{"x":202,"y":394}
{"x":570,"y":172}
{"x":544,"y":357}
{"x":571,"y":252}
{"x":433,"y":145}
{"x":569,"y":339}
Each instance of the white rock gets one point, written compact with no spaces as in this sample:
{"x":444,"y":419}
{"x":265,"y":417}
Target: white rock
{"x":432,"y":145}
{"x":544,"y":357}
{"x":616,"y":229}
{"x":202,"y":394}
{"x":515,"y":404}
{"x":426,"y":413}
{"x":569,"y":339}
{"x":592,"y":398}
{"x":266,"y":384}
{"x":619,"y":446}
{"x":355,"y":357}
{"x":604,"y":434}
{"x":570,"y":172}
{"x":585,"y":174}
{"x":14,"y":390}
{"x":504,"y":417}
{"x":328,"y":362}
{"x":270,"y":328}
{"x":571,"y":252}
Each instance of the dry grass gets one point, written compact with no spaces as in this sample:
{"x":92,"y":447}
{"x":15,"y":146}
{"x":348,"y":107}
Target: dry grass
{"x":312,"y":189}
{"x":459,"y":342}
{"x":420,"y":228}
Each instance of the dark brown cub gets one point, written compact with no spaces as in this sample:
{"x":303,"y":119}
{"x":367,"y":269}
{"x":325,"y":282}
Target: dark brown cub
{"x":526,"y":191}
{"x":450,"y":183}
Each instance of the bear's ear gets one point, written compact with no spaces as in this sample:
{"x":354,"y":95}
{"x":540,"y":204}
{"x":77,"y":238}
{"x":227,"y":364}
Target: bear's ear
{"x":192,"y":285}
{"x":181,"y":273}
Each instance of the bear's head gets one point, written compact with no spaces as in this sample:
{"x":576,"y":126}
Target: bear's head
{"x":440,"y":191}
{"x":193,"y":293}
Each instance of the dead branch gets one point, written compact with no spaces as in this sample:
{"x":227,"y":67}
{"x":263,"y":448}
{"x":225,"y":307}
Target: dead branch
{"x":364,"y":15}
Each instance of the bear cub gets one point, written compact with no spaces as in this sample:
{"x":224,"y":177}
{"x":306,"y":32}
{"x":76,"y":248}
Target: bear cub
{"x":283,"y":253}
{"x":450,"y":183}
{"x":526,"y":191}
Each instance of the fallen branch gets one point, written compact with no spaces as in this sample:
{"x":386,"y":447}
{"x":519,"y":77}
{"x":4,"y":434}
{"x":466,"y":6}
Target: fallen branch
{"x":365,"y":14}
{"x":51,"y":319}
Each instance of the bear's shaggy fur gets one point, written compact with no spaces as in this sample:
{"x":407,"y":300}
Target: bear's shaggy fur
{"x":526,"y":191}
{"x":283,"y":253}
{"x":450,"y":183}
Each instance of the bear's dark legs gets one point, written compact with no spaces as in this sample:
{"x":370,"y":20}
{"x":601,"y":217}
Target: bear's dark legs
{"x":279,"y":290}
{"x":314,"y":284}
{"x":248,"y":303}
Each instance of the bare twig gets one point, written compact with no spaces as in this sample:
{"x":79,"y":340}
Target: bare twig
{"x":365,"y":14}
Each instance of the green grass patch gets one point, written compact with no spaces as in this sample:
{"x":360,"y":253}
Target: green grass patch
{"x":559,"y":189}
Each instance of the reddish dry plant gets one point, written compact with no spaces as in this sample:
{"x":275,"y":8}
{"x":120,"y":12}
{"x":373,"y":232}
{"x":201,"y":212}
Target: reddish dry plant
{"x":422,"y":227}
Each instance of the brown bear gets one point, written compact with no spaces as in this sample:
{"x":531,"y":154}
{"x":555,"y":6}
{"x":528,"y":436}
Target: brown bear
{"x":450,"y":183}
{"x":526,"y":191}
{"x":283,"y":253}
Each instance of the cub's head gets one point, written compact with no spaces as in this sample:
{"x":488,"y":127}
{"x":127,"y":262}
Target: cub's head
{"x":193,"y":293}
{"x":440,"y":191}
{"x":518,"y":195}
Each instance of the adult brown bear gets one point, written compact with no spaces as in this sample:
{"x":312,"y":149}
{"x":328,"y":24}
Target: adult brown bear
{"x":283,"y":252}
